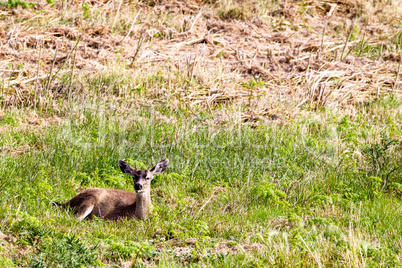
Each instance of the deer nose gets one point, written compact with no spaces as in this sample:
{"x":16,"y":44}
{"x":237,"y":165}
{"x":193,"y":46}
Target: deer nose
{"x":137,"y":186}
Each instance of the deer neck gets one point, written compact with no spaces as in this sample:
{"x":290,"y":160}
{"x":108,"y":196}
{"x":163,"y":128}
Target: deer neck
{"x":143,"y":204}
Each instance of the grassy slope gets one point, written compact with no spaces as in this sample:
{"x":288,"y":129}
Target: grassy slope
{"x":320,"y":187}
{"x":297,"y":194}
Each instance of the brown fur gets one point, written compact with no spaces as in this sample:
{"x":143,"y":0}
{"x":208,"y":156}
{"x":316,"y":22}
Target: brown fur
{"x":112,"y":204}
{"x":109,"y":204}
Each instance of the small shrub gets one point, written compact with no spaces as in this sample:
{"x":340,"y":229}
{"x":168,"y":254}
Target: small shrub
{"x":267,"y":192}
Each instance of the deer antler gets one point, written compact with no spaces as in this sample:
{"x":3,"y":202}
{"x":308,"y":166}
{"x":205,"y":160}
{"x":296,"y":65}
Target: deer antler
{"x":149,"y":167}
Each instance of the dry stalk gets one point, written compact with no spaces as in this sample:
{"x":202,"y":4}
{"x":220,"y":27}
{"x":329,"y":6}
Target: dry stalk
{"x":190,"y":67}
{"x":10,"y":71}
{"x":195,"y":20}
{"x":131,"y":27}
{"x":27,"y":80}
{"x":117,"y":13}
{"x":68,"y":57}
{"x":309,"y":62}
{"x":300,"y":104}
{"x":18,"y":95}
{"x":347,"y":40}
{"x":195,"y":41}
{"x":321,"y":93}
{"x":327,"y":17}
{"x":209,"y":107}
{"x":9,"y":82}
{"x":362,"y":41}
{"x":134,"y":262}
{"x":311,"y":253}
{"x":139,"y":45}
{"x":50,"y":71}
{"x":347,"y":94}
{"x":2,"y":85}
{"x":72,"y":75}
{"x":396,"y":77}
{"x":187,"y":105}
{"x":37,"y":73}
{"x":203,"y":206}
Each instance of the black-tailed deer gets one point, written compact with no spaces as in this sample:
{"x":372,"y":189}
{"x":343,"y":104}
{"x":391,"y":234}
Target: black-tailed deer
{"x":112,"y":204}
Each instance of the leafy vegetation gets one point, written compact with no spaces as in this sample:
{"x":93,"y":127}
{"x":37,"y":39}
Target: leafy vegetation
{"x":17,"y":3}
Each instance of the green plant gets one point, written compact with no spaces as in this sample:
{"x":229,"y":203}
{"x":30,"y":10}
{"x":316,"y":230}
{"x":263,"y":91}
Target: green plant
{"x":130,"y":250}
{"x":16,"y":3}
{"x":6,"y":262}
{"x":86,"y":10}
{"x":252,"y":85}
{"x":67,"y":251}
{"x":397,"y":40}
{"x":267,"y":192}
{"x":232,"y":14}
{"x":383,"y":157}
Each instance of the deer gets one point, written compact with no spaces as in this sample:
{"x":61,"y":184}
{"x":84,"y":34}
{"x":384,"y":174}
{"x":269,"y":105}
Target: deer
{"x":114,"y":204}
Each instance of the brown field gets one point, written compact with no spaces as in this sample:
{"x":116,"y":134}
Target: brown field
{"x":272,"y":58}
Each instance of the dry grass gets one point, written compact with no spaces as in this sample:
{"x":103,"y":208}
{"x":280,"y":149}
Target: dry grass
{"x":202,"y":54}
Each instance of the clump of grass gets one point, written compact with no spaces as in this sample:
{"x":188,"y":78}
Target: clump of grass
{"x":67,"y":251}
{"x":232,"y":14}
{"x":236,"y":10}
{"x":17,"y":3}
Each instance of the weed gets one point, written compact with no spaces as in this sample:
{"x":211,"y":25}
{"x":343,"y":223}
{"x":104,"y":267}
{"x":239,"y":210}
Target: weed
{"x":130,"y":250}
{"x":380,"y":156}
{"x":267,"y":192}
{"x":252,"y":85}
{"x":397,"y":39}
{"x":17,"y":3}
{"x":68,"y":251}
{"x":86,"y":9}
{"x":232,"y":14}
{"x":6,"y":262}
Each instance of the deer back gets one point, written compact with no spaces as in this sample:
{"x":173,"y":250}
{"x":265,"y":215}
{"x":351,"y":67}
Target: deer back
{"x":107,"y":203}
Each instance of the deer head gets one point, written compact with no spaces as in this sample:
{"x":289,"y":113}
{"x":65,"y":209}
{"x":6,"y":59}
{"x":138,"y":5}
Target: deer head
{"x":142,"y":178}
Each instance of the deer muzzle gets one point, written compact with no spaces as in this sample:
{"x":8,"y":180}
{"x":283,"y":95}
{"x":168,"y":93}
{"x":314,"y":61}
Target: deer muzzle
{"x":137,"y":187}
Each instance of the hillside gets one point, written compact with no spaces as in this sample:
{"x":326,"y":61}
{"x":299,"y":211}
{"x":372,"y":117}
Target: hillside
{"x":281,"y":120}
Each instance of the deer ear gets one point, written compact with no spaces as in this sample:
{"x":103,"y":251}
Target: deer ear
{"x":126,"y":168}
{"x":160,"y":167}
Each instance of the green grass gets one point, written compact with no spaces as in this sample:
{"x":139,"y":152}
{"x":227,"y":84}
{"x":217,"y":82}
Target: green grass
{"x":323,"y":191}
{"x":16,"y":4}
